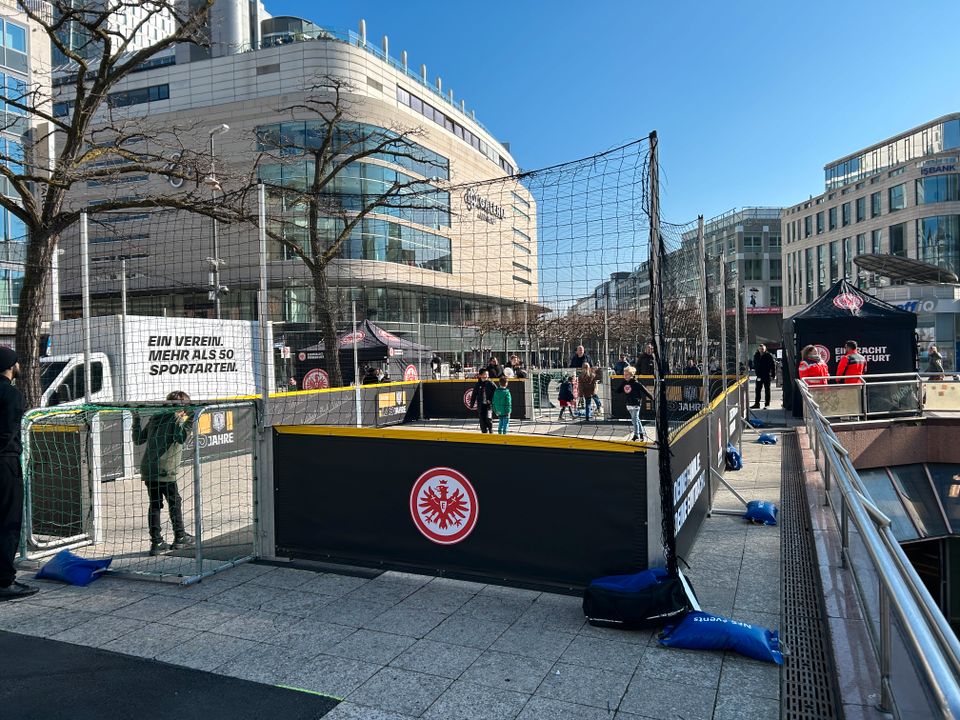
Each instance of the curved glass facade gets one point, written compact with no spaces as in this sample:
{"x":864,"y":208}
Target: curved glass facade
{"x":938,"y":240}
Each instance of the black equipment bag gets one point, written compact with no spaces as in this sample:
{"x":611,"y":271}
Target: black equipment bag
{"x":636,"y":609}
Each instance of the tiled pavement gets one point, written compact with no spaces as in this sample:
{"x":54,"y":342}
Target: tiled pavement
{"x":407,"y":646}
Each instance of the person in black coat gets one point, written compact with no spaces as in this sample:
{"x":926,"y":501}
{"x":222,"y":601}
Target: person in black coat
{"x":11,"y":478}
{"x":766,"y":368}
{"x":579,"y":358}
{"x":622,"y":364}
{"x":482,"y":399}
{"x":635,"y":392}
{"x":645,"y":363}
{"x":494,"y":368}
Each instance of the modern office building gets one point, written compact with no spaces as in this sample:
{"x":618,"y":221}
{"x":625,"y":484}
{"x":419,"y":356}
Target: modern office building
{"x":898,"y":197}
{"x":473,"y":254}
{"x":24,"y":67}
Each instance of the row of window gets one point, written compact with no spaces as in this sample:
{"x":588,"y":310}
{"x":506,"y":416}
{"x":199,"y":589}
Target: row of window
{"x":11,"y":282}
{"x":404,"y":97}
{"x":162,"y":61}
{"x":122,"y":98}
{"x":294,"y":138}
{"x":14,"y":37}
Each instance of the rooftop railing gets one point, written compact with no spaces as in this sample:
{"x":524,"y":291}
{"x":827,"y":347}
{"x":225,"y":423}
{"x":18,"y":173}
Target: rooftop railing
{"x":917,"y":652}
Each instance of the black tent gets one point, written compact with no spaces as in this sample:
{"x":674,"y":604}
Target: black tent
{"x":400,"y":358}
{"x":886,"y":335}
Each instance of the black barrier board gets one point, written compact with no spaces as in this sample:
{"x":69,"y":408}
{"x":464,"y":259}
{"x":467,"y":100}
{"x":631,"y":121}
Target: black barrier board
{"x":451,"y":399}
{"x":59,"y":491}
{"x":684,"y":398}
{"x":537,"y":515}
{"x":691,"y":493}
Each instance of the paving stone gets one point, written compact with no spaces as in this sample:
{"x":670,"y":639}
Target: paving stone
{"x":603,"y":654}
{"x":464,"y":630}
{"x":560,"y":613}
{"x":268,"y":664}
{"x":250,"y":597}
{"x":51,"y":622}
{"x":666,"y":700}
{"x":507,"y":671}
{"x":763,"y":598}
{"x":438,"y":598}
{"x":371,"y":646}
{"x":634,"y":637}
{"x":335,"y":676}
{"x":98,"y":631}
{"x":584,"y":686}
{"x":351,"y":613}
{"x":540,"y":708}
{"x":333,"y":585}
{"x":435,"y":658}
{"x":283,"y":578}
{"x":150,"y":640}
{"x":254,"y":625}
{"x":745,"y":676}
{"x":298,"y":603}
{"x":737,"y":706}
{"x":310,"y":635}
{"x":406,"y":621}
{"x":401,"y":691}
{"x":496,"y":608}
{"x":468,"y":701}
{"x":203,"y":616}
{"x":154,"y":607}
{"x":106,"y":601}
{"x":533,"y":642}
{"x":206,"y":651}
{"x":691,"y":667}
{"x":352,"y":711}
{"x":386,"y":591}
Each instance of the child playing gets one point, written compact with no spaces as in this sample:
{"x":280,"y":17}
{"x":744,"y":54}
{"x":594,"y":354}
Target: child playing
{"x":503,"y":406}
{"x":635,"y":393}
{"x":164,"y":435}
{"x":566,"y":397}
{"x":482,"y":400}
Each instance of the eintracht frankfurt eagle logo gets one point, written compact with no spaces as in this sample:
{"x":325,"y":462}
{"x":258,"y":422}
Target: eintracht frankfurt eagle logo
{"x":444,"y":505}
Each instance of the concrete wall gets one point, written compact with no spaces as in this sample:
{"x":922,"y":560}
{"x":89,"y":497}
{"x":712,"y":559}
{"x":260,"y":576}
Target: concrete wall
{"x":902,"y":443}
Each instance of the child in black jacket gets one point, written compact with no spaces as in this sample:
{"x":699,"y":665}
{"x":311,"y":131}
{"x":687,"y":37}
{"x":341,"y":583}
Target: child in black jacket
{"x":482,"y":400}
{"x":635,"y":392}
{"x":566,"y":397}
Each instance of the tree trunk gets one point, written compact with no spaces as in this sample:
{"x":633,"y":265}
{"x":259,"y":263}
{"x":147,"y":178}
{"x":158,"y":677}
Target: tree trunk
{"x":324,"y":311}
{"x":33,"y":296}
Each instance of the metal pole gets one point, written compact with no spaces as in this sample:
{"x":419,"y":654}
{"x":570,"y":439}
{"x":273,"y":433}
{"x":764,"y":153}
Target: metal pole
{"x":419,"y":363}
{"x":216,"y":238}
{"x":85,"y":270}
{"x":886,"y":696}
{"x":704,"y":350}
{"x":526,"y":332}
{"x":197,"y":500}
{"x":263,"y":315}
{"x":606,"y":336}
{"x":356,"y":365}
{"x":123,"y":329}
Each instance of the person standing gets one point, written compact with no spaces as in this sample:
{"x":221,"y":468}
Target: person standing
{"x":622,"y":364}
{"x":566,"y":397}
{"x":580,"y":358}
{"x":645,"y":363}
{"x":436,"y":364}
{"x":587,"y":384}
{"x":852,"y":365}
{"x":635,"y":392}
{"x":11,"y":478}
{"x":691,"y":368}
{"x":812,"y":369}
{"x":766,"y":368}
{"x":164,"y":436}
{"x":494,"y":368}
{"x":935,"y":364}
{"x":482,"y":399}
{"x":503,"y":406}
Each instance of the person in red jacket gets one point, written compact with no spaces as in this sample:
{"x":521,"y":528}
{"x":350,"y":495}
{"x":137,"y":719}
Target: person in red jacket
{"x":852,"y":366}
{"x":812,"y":368}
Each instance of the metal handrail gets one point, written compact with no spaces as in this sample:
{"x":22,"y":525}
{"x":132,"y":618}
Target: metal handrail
{"x":935,"y":648}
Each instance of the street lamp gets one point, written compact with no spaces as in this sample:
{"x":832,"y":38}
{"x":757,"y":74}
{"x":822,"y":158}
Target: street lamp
{"x":211,"y":180}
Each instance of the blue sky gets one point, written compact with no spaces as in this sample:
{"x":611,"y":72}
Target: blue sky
{"x":749,"y":99}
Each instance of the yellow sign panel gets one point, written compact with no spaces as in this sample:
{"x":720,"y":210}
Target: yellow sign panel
{"x":216,"y":422}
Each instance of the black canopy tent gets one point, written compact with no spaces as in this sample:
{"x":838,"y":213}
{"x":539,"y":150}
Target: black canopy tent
{"x":400,"y":358}
{"x":885,"y":334}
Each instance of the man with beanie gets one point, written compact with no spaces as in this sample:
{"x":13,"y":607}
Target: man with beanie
{"x":11,"y":477}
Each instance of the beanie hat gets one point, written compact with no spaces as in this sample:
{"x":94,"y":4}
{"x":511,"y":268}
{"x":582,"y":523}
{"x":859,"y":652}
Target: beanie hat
{"x":8,"y":358}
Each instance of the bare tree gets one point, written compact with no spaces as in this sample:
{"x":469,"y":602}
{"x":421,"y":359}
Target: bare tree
{"x":90,"y":137}
{"x":316,"y":218}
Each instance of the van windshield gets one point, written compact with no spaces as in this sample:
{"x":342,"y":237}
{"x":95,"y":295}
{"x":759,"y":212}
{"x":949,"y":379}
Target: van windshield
{"x":50,"y":372}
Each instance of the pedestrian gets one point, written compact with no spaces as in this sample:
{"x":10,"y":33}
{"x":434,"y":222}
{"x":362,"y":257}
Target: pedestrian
{"x":713,"y":366}
{"x":517,"y":366}
{"x":456,"y":368}
{"x":494,"y":368}
{"x":164,"y":435}
{"x":587,"y":384}
{"x":766,"y":369}
{"x":935,"y":364}
{"x":503,"y":406}
{"x":482,"y":400}
{"x":691,"y":367}
{"x":11,"y":478}
{"x":852,"y":366}
{"x":812,"y":369}
{"x":566,"y":397}
{"x":370,"y":377}
{"x":622,"y":364}
{"x":645,"y":364}
{"x":635,"y":392}
{"x":580,"y":358}
{"x":435,"y":366}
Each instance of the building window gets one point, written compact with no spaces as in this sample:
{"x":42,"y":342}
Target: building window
{"x":139,"y":96}
{"x":776,"y":296}
{"x":832,"y":218}
{"x":896,"y":198}
{"x":939,"y":188}
{"x":808,"y":274}
{"x":519,"y":279}
{"x":752,"y":243}
{"x":875,"y":238}
{"x":11,"y":282}
{"x":898,"y":242}
{"x":15,"y":37}
{"x":521,"y":213}
{"x":845,"y":214}
{"x":520,"y":199}
{"x":938,"y":239}
{"x":521,"y":248}
{"x":807,"y":225}
{"x":834,"y":262}
{"x":821,"y":269}
{"x":875,"y":204}
{"x":791,"y":281}
{"x":861,"y":209}
{"x":776,"y":270}
{"x":847,"y":259}
{"x":773,"y":243}
{"x":521,"y":235}
{"x":861,"y":244}
{"x":753,"y":269}
{"x":819,"y":222}
{"x":394,"y":243}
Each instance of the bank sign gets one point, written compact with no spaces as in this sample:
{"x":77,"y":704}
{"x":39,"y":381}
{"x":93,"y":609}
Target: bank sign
{"x":938,"y":166}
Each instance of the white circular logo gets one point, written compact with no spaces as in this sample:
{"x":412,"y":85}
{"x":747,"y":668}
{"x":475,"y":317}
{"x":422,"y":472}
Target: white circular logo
{"x":824,"y":352}
{"x":410,"y":373}
{"x":444,"y":506}
{"x":316,"y":379}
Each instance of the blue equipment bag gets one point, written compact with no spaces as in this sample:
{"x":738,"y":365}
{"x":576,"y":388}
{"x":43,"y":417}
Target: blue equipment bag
{"x":70,"y":568}
{"x":734,"y":461}
{"x":767,"y":439}
{"x":703,"y":631}
{"x":761,"y":511}
{"x":756,"y":422}
{"x":643,"y":600}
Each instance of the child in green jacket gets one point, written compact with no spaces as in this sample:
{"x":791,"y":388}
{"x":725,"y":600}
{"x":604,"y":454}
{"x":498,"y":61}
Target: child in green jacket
{"x":503,"y":406}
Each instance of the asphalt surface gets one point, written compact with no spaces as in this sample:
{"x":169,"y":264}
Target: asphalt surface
{"x":44,"y":679}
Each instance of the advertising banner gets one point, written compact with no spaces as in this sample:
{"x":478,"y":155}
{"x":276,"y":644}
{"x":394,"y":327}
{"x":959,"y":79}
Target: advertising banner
{"x":451,"y":398}
{"x":515,"y":510}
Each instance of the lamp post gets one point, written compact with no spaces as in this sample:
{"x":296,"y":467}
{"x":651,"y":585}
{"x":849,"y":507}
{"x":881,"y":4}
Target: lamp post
{"x":211,"y":180}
